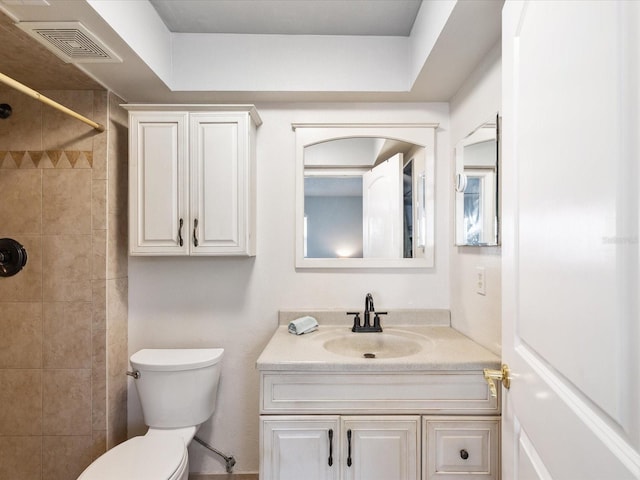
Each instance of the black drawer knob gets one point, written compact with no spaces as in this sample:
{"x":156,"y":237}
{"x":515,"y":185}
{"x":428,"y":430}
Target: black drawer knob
{"x":464,"y":454}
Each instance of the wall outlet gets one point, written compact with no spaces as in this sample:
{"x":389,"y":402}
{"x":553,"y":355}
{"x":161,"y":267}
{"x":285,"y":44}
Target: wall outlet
{"x":481,"y":286}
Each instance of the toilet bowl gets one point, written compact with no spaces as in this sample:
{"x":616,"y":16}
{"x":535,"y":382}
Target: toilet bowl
{"x":142,"y":458}
{"x":177,"y":390}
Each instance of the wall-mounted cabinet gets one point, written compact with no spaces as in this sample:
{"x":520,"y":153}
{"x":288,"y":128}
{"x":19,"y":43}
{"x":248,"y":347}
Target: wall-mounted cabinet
{"x":192,"y":179}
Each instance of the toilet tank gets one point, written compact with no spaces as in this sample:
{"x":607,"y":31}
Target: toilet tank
{"x":177,"y":387}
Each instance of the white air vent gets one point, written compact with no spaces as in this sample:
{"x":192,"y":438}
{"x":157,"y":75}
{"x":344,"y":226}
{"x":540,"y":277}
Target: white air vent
{"x":71,"y":41}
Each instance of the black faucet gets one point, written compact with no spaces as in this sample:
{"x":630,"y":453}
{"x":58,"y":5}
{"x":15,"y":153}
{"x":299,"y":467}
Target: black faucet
{"x":368,"y":310}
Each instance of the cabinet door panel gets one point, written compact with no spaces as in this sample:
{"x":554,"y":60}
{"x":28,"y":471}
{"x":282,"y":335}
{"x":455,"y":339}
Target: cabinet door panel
{"x":219,"y":172}
{"x":300,"y":448}
{"x":382,"y":448}
{"x":158,"y":183}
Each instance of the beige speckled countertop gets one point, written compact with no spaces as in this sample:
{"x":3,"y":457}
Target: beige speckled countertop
{"x":441,"y":347}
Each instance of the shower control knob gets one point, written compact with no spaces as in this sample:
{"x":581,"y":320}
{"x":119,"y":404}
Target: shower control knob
{"x":13,"y":257}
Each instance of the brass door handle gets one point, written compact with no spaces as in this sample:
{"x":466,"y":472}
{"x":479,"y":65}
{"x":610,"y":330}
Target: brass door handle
{"x":492,"y":375}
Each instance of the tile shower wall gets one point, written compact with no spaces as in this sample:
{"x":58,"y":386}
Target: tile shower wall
{"x":63,"y":319}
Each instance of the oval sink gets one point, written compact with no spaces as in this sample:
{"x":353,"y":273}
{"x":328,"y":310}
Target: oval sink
{"x":373,"y":345}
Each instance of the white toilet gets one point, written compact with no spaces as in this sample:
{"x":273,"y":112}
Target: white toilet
{"x":177,"y":390}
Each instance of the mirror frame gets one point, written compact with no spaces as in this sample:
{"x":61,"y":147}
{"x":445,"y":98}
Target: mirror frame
{"x":458,"y":196}
{"x":420,"y":134}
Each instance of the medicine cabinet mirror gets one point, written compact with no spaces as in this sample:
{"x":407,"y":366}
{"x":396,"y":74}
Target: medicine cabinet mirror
{"x":477,"y":188}
{"x":364,"y":195}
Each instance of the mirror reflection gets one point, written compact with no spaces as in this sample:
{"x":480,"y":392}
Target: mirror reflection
{"x":359,"y":199}
{"x":476,"y":185}
{"x":363,"y":201}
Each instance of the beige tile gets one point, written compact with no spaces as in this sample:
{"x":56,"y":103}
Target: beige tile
{"x":100,"y":141}
{"x":99,"y":205}
{"x":99,"y":381}
{"x":66,"y":198}
{"x":26,"y":285}
{"x":117,"y":418}
{"x":20,"y":402}
{"x":99,"y":260}
{"x":62,"y":132}
{"x":117,"y":318}
{"x":99,"y":443}
{"x":21,"y":201}
{"x":66,"y":402}
{"x":21,"y":335}
{"x":99,"y":295}
{"x":67,"y":268}
{"x":65,"y":457}
{"x":99,"y":161}
{"x":117,"y":263}
{"x":23,"y":129}
{"x":118,"y":168}
{"x":21,"y":458}
{"x":118,"y":360}
{"x":67,"y":335}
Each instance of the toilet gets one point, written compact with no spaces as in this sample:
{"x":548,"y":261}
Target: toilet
{"x":177,"y":390}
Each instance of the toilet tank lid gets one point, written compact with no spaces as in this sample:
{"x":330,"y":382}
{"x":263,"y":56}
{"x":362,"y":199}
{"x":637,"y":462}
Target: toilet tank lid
{"x":174,"y":359}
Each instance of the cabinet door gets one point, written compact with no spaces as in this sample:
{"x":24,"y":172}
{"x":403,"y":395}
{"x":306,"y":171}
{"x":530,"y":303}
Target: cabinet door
{"x":457,"y":449}
{"x":158,"y":183}
{"x":380,"y":448}
{"x":299,"y":448}
{"x":219,"y":186}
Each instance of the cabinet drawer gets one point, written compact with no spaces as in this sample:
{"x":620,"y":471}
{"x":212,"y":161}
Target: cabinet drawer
{"x":380,"y":392}
{"x":458,"y":449}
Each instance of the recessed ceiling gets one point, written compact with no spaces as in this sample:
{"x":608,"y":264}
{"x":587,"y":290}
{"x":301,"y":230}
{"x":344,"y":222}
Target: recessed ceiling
{"x":290,"y":17}
{"x":252,"y":51}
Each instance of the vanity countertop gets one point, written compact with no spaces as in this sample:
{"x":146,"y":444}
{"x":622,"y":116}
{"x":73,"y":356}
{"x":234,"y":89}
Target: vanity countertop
{"x":436,"y":346}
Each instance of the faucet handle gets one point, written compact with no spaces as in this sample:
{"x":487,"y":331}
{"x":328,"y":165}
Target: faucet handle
{"x":356,"y":320}
{"x":376,"y":320}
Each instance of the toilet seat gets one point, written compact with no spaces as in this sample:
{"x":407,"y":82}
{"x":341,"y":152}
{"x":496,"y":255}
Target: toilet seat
{"x":150,"y":457}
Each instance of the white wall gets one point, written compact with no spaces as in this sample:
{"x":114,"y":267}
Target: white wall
{"x":475,"y":315}
{"x":233,"y":303}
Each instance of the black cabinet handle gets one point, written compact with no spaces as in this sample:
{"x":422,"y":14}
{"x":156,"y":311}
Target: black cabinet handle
{"x":180,"y":233}
{"x":195,"y":232}
{"x":330,"y":446}
{"x":464,"y":454}
{"x":349,"y":448}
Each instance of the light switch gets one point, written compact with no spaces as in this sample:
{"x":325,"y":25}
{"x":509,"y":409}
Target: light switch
{"x":481,"y":287}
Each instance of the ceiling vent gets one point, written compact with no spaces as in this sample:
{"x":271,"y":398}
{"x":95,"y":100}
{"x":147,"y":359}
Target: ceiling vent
{"x":71,"y":41}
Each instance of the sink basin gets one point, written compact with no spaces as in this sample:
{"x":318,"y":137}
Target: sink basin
{"x":373,"y":345}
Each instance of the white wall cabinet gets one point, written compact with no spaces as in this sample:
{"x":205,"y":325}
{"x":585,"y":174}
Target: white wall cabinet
{"x":192,"y":179}
{"x":332,"y":447}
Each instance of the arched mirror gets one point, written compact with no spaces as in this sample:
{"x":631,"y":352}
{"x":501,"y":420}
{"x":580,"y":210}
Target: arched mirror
{"x":364,"y":196}
{"x":477,"y":187}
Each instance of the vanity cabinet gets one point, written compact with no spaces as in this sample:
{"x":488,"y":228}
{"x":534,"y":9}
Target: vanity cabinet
{"x":192,"y":179}
{"x":420,"y":425}
{"x":340,"y":447}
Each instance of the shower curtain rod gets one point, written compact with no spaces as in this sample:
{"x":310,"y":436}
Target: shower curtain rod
{"x":52,"y":103}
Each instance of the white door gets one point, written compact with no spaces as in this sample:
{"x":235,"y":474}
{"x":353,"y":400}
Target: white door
{"x":380,"y":448}
{"x":570,"y":251}
{"x":383,"y":234}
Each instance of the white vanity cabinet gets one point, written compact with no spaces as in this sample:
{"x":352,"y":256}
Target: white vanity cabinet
{"x":416,"y":425}
{"x":326,"y":447}
{"x":338,"y":405}
{"x":192,"y":179}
